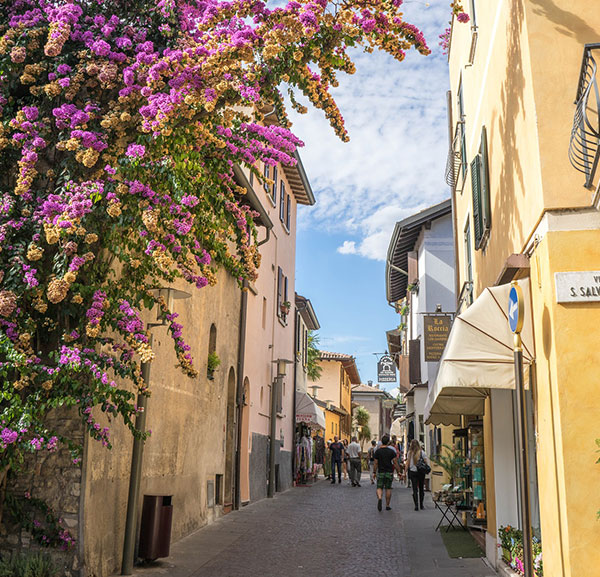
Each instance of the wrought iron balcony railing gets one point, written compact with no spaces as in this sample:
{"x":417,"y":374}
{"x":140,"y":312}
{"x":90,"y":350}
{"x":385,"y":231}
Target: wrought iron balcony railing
{"x":584,"y":148}
{"x":456,"y":167}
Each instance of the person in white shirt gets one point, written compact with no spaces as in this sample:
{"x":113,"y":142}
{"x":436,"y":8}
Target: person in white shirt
{"x":353,"y":451}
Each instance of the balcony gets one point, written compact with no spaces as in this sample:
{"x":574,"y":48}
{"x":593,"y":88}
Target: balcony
{"x":585,"y":135}
{"x":456,"y":164}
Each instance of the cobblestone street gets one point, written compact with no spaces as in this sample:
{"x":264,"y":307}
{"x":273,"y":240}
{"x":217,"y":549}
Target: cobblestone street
{"x":322,"y":531}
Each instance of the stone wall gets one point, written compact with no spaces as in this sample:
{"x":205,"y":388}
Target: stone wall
{"x":53,"y":478}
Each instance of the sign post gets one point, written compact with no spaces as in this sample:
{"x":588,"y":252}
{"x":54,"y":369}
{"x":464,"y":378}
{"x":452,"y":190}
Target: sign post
{"x":516,"y":316}
{"x":386,"y":369}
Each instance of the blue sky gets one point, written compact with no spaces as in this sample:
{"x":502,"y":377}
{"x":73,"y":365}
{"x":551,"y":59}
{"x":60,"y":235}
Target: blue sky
{"x":392,"y":167}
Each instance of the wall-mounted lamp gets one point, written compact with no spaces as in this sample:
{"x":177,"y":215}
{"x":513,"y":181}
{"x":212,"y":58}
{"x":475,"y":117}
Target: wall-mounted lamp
{"x":281,"y":366}
{"x":169,"y":295}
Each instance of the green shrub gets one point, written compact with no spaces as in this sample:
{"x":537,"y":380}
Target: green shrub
{"x":27,"y":565}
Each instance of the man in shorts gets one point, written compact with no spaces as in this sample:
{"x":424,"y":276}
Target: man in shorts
{"x":386,"y":461}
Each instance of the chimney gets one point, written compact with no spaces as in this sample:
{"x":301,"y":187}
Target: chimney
{"x":370,"y":383}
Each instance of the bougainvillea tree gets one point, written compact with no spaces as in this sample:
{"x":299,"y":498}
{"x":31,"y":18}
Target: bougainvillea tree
{"x":120,"y":124}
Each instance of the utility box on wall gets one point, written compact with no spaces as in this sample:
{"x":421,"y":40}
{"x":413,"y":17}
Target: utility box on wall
{"x":155,"y":529}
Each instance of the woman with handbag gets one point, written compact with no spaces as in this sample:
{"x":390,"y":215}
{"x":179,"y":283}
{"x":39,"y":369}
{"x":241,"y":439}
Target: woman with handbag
{"x":418,"y":466}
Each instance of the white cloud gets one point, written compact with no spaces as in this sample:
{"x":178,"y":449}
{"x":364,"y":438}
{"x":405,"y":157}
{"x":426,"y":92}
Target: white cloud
{"x":349,"y":247}
{"x":394,"y":164}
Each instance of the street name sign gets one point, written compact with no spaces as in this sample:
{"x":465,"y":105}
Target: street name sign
{"x":386,"y":369}
{"x":577,"y":287}
{"x":515,"y":309}
{"x":437,"y":330}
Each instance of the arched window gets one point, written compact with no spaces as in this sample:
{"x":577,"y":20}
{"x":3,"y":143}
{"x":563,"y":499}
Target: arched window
{"x":213,"y":360}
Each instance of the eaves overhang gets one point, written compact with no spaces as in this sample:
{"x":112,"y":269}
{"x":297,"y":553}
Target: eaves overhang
{"x":405,"y":235}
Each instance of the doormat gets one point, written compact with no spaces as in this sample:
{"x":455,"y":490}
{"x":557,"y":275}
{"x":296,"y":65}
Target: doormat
{"x":460,"y":543}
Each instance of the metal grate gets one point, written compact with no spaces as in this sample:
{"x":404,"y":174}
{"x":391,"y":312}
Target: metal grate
{"x":585,"y":135}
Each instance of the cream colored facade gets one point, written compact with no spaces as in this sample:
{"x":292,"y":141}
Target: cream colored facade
{"x":338,"y":375}
{"x":514,"y":72}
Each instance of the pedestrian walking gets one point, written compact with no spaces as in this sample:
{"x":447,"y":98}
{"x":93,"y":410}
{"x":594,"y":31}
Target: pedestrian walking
{"x":327,"y":463}
{"x":371,"y":458}
{"x":345,"y":459}
{"x":353,"y":452}
{"x":418,"y":466}
{"x":386,"y":461}
{"x":337,"y":455}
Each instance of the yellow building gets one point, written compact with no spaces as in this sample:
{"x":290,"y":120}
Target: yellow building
{"x":523,"y":211}
{"x":339,"y":373}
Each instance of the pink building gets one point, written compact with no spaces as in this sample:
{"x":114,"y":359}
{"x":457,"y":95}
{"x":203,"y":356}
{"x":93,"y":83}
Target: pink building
{"x":268,"y":336}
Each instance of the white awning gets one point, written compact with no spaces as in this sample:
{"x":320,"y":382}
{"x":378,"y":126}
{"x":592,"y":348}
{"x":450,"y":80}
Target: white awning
{"x":478,"y":357}
{"x":307,"y":411}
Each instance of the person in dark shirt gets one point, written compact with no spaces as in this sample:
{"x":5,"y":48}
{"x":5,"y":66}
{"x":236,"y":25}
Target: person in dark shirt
{"x":337,"y":454}
{"x":386,"y":461}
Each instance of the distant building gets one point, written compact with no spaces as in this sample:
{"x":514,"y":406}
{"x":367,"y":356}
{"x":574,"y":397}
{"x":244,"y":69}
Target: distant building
{"x":420,"y":283}
{"x":339,"y":374}
{"x":379,"y":404}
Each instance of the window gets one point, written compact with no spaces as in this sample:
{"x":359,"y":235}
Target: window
{"x":288,"y":210}
{"x":282,"y":202}
{"x":282,"y":294}
{"x":212,"y":360}
{"x":468,"y":263}
{"x":267,"y":174}
{"x":274,"y":189}
{"x":480,"y":186}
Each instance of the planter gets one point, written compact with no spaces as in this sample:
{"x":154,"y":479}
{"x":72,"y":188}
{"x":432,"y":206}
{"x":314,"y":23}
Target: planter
{"x":506,"y":555}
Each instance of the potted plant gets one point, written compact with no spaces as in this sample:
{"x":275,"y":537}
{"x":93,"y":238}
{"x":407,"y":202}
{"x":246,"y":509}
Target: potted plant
{"x":212,"y":365}
{"x":506,"y":542}
{"x":284,"y":307}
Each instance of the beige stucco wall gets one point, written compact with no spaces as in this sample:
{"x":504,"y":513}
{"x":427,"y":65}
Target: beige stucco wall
{"x":187,"y":419}
{"x":330,"y":382}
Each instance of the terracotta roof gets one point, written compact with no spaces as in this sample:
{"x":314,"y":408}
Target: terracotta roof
{"x":348,"y":362}
{"x":327,"y":356}
{"x":368,"y":389}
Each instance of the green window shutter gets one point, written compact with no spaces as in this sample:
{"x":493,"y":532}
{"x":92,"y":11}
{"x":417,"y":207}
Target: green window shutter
{"x":486,"y":212}
{"x":476,"y":190}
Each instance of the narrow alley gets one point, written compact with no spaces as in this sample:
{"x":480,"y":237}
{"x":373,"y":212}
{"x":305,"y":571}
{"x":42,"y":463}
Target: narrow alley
{"x":322,"y":531}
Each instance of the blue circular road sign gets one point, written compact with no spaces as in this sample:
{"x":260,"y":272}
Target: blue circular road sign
{"x":515,"y":308}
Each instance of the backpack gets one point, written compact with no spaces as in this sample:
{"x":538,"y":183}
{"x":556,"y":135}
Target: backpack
{"x":422,"y":466}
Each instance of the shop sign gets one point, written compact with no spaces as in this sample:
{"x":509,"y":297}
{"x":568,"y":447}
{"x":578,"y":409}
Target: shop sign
{"x":577,"y":287}
{"x":437,"y":330}
{"x":386,"y":369}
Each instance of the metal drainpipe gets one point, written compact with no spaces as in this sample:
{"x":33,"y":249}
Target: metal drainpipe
{"x":240,"y":388}
{"x":135,"y":476}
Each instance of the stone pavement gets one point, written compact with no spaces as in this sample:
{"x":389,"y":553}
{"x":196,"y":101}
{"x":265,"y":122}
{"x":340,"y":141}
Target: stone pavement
{"x":319,"y":531}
